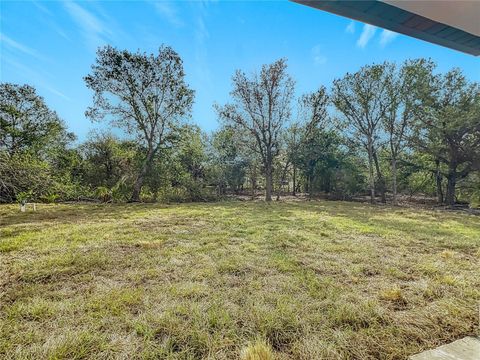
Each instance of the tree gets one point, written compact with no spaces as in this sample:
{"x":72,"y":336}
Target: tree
{"x":448,"y":128}
{"x":33,"y":145}
{"x":108,"y":159}
{"x":144,"y":94}
{"x":229,"y":160}
{"x":191,"y":156}
{"x":361,"y":99}
{"x":26,"y":122}
{"x":326,"y":164}
{"x":312,"y":116}
{"x":402,"y":99}
{"x":261,"y":108}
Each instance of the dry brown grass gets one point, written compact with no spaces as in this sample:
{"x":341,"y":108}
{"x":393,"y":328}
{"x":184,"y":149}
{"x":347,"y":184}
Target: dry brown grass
{"x":259,"y":350}
{"x":311,"y":280}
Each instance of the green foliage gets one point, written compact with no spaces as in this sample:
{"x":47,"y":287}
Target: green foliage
{"x":229,"y":165}
{"x":447,"y":127}
{"x":146,"y":95}
{"x":26,"y":122}
{"x":328,"y":166}
{"x":107,"y":160}
{"x":384,"y":128}
{"x":50,"y":198}
{"x":22,"y":174}
{"x":24,"y":196}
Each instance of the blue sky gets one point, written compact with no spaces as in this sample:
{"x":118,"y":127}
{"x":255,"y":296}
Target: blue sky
{"x":51,"y":45}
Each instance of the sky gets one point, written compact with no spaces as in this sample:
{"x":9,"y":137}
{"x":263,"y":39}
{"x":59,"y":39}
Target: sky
{"x":51,"y":45}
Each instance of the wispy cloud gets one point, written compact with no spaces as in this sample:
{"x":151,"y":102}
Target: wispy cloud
{"x":201,"y":35}
{"x":16,"y":46}
{"x":386,"y":37}
{"x":350,"y":29}
{"x":168,"y":11}
{"x":95,"y":31}
{"x":49,"y":19}
{"x":41,"y":7}
{"x":56,"y":92}
{"x":367,"y":34}
{"x":59,"y":30}
{"x":34,"y":77}
{"x":318,"y":57}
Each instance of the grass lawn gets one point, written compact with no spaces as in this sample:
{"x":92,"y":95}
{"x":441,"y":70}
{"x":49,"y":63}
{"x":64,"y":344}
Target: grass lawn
{"x":313,"y":280}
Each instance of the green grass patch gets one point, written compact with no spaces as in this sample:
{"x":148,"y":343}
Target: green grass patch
{"x":230,"y":280}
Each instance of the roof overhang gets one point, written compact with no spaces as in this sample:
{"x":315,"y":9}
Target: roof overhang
{"x":450,"y":23}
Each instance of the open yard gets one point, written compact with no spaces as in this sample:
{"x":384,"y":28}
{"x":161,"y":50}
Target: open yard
{"x":313,"y":280}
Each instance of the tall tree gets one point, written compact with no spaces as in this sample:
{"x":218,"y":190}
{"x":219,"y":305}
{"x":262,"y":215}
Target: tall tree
{"x":144,"y":94}
{"x":261,"y":107}
{"x":26,"y":122}
{"x":402,"y":99}
{"x":107,"y":159}
{"x":312,"y":117}
{"x":229,"y":160}
{"x":361,"y":99}
{"x":449,"y":127}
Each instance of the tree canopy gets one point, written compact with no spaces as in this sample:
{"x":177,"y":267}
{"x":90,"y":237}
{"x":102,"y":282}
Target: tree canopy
{"x":145,"y":94}
{"x":387,"y":132}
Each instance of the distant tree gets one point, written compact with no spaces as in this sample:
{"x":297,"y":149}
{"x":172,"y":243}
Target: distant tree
{"x":448,"y":128}
{"x":402,"y":99}
{"x":23,"y":173}
{"x":312,"y":116}
{"x":34,"y":158}
{"x":180,"y":172}
{"x":144,"y":94}
{"x":229,"y":160}
{"x":326,"y":165}
{"x":262,"y":108}
{"x":361,"y":99}
{"x":26,"y":122}
{"x":191,"y":155}
{"x":108,"y":159}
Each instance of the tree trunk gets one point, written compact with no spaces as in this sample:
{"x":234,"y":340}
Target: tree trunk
{"x":137,"y":187}
{"x":394,"y":180}
{"x":294,"y":180}
{"x":438,"y":181}
{"x":254,"y":185}
{"x":451,"y":184}
{"x":310,"y":186}
{"x":269,"y":183}
{"x":381,"y":180}
{"x":371,"y":174}
{"x":282,"y":180}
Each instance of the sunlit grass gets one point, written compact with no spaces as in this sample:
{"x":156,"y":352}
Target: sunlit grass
{"x":299,"y":280}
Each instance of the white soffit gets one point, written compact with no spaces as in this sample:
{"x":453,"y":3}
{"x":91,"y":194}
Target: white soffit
{"x":461,"y":14}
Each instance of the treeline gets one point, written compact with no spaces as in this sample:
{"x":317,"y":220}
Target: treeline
{"x":387,"y":129}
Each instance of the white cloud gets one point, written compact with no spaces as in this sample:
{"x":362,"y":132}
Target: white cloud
{"x":56,"y":92}
{"x":41,"y":7}
{"x":35,"y":77}
{"x":201,"y":36}
{"x":15,"y":45}
{"x":48,"y":18}
{"x":318,"y":57}
{"x":94,"y":30}
{"x":168,"y":12}
{"x":367,"y":33}
{"x":350,"y":29}
{"x":386,"y":37}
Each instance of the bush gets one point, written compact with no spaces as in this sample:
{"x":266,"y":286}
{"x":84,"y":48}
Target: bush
{"x":22,"y":175}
